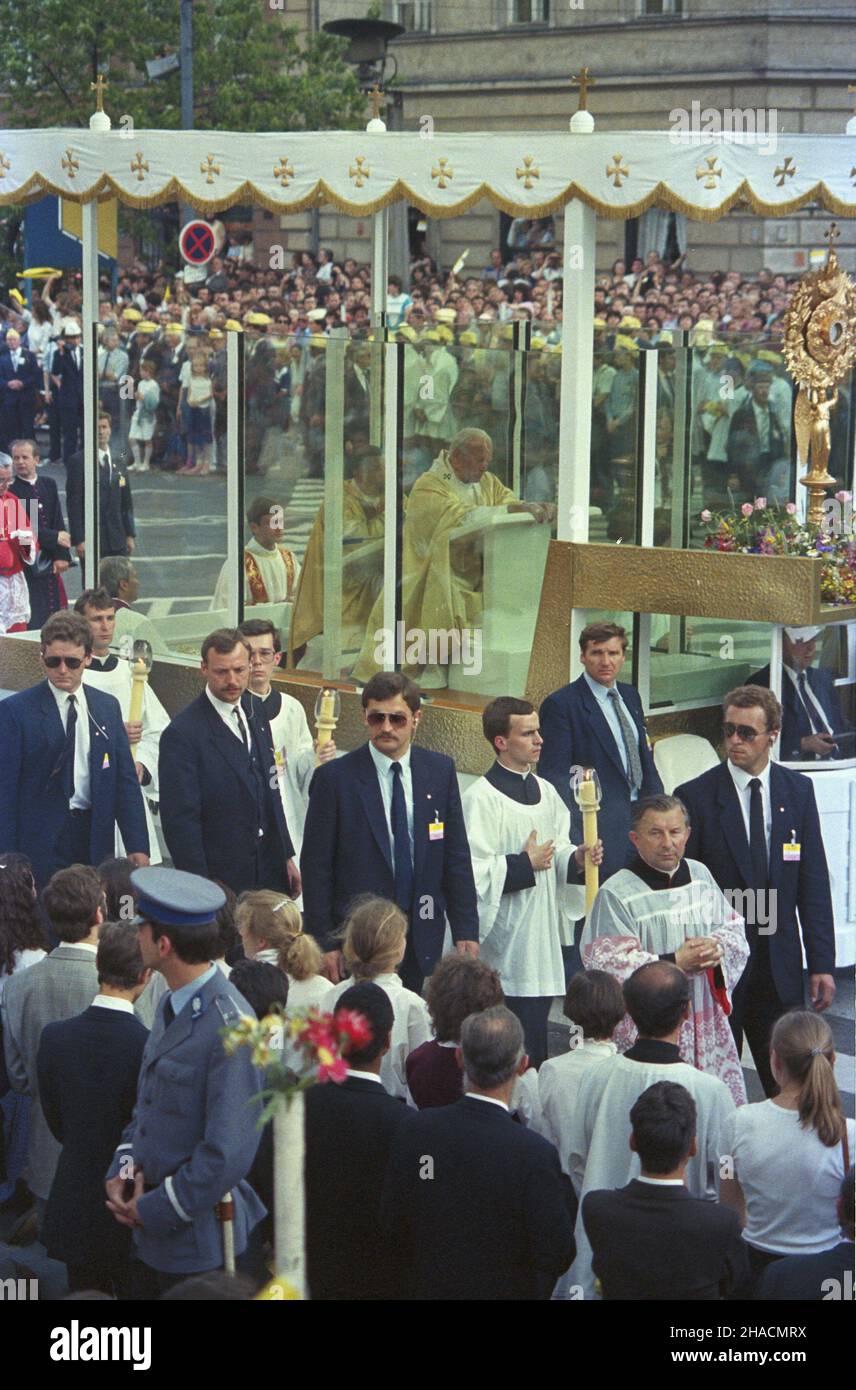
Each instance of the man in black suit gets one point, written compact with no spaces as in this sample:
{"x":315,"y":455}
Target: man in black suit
{"x":20,"y":379}
{"x":67,"y":380}
{"x":478,"y":1206}
{"x":757,"y":449}
{"x":88,"y":1068}
{"x":387,"y":820}
{"x":754,"y":824}
{"x":47,"y":591}
{"x":221,"y":810}
{"x":817,"y":1278}
{"x":116,"y":528}
{"x":346,"y":1253}
{"x":652,"y":1239}
{"x":811,"y":710}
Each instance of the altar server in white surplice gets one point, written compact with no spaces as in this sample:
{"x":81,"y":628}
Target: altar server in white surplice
{"x":665,"y":907}
{"x":113,"y":673}
{"x":527,"y":872}
{"x":594,"y":1144}
{"x":594,"y":1005}
{"x":293,"y":746}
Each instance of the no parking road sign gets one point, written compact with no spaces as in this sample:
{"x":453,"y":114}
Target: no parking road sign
{"x":196,"y":242}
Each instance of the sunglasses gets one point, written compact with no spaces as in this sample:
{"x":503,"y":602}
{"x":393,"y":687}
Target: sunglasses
{"x":743,"y":732}
{"x":53,"y":663}
{"x":376,"y":720}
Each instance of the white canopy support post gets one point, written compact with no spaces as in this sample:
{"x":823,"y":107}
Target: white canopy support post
{"x":682,"y":478}
{"x":235,"y":415}
{"x":334,"y":464}
{"x":393,"y":429}
{"x":575,"y":392}
{"x":519,"y":358}
{"x":645,"y":505}
{"x":89,"y":268}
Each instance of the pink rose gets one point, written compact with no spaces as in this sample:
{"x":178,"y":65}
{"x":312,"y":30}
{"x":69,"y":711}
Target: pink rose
{"x":706,"y":515}
{"x":747,"y":509}
{"x":843,"y":496}
{"x":760,"y":503}
{"x":791,"y":508}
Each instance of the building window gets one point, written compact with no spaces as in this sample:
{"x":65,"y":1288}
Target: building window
{"x":415,"y":15}
{"x":664,"y":7}
{"x":529,"y":11}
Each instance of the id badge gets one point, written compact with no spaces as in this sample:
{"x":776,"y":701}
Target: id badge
{"x":435,"y":830}
{"x":791,"y":853}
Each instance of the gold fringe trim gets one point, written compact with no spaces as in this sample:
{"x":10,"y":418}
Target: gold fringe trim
{"x":322,"y":194}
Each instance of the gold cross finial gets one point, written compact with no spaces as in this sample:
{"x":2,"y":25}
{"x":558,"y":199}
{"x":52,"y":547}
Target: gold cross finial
{"x":852,"y":90}
{"x":98,"y":88}
{"x":583,"y":82}
{"x":831,"y":235}
{"x":376,"y":98}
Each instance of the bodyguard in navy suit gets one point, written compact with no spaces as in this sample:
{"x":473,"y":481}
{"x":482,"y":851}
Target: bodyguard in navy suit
{"x":811,"y":711}
{"x":20,"y":380}
{"x":66,"y":774}
{"x":67,"y":380}
{"x":116,"y":526}
{"x":221,"y":817}
{"x":755,"y":825}
{"x":387,"y":820}
{"x":597,"y":721}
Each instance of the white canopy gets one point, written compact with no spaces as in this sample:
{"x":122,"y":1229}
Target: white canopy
{"x":617,"y":173}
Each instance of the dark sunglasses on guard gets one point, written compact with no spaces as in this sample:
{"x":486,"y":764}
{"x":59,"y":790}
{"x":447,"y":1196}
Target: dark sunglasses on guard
{"x":53,"y":663}
{"x":376,"y":720}
{"x":743,"y":731}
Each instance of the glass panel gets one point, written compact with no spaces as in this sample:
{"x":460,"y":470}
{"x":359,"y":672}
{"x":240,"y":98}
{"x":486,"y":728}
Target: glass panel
{"x":700,"y":659}
{"x":162,"y":546}
{"x":614,"y":436}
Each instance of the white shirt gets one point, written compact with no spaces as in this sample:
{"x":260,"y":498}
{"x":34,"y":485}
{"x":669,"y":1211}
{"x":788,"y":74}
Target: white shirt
{"x":411,"y":1026}
{"x":383,"y":764}
{"x":663,"y":1182}
{"x":110,"y":1001}
{"x":227,"y":714}
{"x":490,"y":1100}
{"x":602,"y":694}
{"x":365,"y":1075}
{"x":81,"y":798}
{"x":789,"y":1179}
{"x":741,"y":779}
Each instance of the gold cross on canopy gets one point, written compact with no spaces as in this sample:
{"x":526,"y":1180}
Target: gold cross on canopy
{"x":98,"y":88}
{"x":583,"y":82}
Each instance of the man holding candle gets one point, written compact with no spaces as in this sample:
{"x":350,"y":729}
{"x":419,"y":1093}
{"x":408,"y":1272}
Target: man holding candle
{"x":527,"y":871}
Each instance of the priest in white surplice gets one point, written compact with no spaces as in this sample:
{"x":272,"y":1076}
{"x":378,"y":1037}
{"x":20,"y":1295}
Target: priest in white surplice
{"x":293,"y":745}
{"x":113,"y":673}
{"x":527,"y":872}
{"x":594,"y":1143}
{"x":665,"y":907}
{"x":271,"y":570}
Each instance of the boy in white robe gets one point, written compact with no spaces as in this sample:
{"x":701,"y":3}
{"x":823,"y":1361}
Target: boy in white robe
{"x":113,"y":673}
{"x":594,"y":1143}
{"x":527,"y":872}
{"x":271,"y":570}
{"x":293,"y":745}
{"x":665,"y":907}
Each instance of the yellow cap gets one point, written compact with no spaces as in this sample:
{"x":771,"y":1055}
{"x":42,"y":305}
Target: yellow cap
{"x":146,"y":326}
{"x":765,"y":355}
{"x":469,"y":339}
{"x":599,"y":323}
{"x":630,"y":321}
{"x":133,"y":315}
{"x":622,"y":341}
{"x":665,"y":338}
{"x":432,"y":336}
{"x":445,"y":334}
{"x":233,"y":326}
{"x":257,"y":319}
{"x":318,"y":340}
{"x":214,"y":333}
{"x":537,"y":342}
{"x":557,"y":347}
{"x":173,"y":330}
{"x":407,"y":333}
{"x":17,"y":296}
{"x":506,"y":331}
{"x":445,"y":315}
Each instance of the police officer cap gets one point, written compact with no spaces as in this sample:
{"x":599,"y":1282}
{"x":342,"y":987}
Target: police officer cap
{"x":174,"y":898}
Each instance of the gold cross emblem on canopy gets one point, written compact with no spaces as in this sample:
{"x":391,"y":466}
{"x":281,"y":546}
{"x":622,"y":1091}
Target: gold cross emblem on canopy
{"x":139,"y":166}
{"x":618,"y":172}
{"x":209,"y":168}
{"x":709,"y":171}
{"x":785,"y":171}
{"x":528,"y":173}
{"x":284,"y":172}
{"x":70,"y":164}
{"x":360,"y":171}
{"x":442,"y":172}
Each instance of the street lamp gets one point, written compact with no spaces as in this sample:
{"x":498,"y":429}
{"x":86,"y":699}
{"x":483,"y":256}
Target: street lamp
{"x":368,"y":41}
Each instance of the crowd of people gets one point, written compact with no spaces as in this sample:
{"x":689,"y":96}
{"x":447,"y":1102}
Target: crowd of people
{"x":295,"y":877}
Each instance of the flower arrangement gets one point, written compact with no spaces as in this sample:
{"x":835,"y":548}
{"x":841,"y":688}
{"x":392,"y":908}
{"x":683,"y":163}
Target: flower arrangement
{"x":295,"y":1053}
{"x":762,"y":529}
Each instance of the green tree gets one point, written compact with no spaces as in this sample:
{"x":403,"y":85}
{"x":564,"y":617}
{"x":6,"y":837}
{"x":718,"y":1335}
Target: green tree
{"x":251,"y":70}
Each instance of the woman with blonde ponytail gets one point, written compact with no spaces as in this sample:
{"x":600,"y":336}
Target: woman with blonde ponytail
{"x":271,"y":930}
{"x":375,"y":937}
{"x":787,"y":1156}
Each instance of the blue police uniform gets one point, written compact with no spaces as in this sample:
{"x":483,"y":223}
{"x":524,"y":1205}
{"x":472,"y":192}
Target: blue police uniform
{"x":193,"y":1132}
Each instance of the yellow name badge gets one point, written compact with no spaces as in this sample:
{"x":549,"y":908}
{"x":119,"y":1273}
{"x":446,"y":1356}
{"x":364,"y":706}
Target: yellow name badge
{"x":105,"y":761}
{"x":435,"y":830}
{"x":791,"y":853}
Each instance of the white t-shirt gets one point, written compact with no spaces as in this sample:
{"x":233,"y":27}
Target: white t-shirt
{"x":790,"y":1180}
{"x":302,"y":994}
